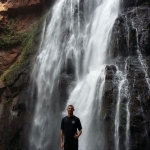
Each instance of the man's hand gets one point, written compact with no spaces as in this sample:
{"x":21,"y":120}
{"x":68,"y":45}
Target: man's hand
{"x":62,"y":145}
{"x":76,"y":136}
{"x":62,"y":139}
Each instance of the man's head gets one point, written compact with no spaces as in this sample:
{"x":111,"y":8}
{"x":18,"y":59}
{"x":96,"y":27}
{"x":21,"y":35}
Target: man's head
{"x":70,"y":109}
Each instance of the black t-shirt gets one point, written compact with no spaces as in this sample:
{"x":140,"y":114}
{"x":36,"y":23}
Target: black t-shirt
{"x":70,"y":125}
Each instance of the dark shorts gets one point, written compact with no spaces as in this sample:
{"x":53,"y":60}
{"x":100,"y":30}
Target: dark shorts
{"x":71,"y":146}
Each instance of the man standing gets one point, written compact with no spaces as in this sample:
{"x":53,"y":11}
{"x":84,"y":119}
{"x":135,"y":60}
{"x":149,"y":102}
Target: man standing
{"x":71,"y":129}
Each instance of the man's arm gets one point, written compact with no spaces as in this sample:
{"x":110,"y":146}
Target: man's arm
{"x":62,"y":139}
{"x":76,"y":136}
{"x":79,"y":133}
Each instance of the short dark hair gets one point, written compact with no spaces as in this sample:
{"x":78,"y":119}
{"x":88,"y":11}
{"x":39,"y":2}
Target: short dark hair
{"x":71,"y":106}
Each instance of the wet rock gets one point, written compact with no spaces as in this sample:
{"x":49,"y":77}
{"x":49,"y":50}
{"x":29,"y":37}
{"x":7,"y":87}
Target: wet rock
{"x":108,"y":105}
{"x":70,"y":68}
{"x":66,"y":83}
{"x":138,"y":98}
{"x":110,"y":71}
{"x":130,"y":33}
{"x":118,"y":44}
{"x":131,"y":3}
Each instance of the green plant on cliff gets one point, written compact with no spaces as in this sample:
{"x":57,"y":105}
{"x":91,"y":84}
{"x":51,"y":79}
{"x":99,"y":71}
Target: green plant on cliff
{"x":9,"y":40}
{"x":27,"y":41}
{"x":8,"y":37}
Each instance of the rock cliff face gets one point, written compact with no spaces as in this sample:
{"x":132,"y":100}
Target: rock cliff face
{"x":130,"y":51}
{"x":132,"y":3}
{"x":20,"y":35}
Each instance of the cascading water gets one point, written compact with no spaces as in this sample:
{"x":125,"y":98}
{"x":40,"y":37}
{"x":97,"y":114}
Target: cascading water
{"x":123,"y":93}
{"x":78,"y":33}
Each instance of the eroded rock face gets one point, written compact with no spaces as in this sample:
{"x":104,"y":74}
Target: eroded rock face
{"x":130,"y":51}
{"x":108,"y":105}
{"x":132,"y":31}
{"x":7,"y":58}
{"x":131,"y":3}
{"x":139,"y":105}
{"x":20,"y":32}
{"x":11,"y":8}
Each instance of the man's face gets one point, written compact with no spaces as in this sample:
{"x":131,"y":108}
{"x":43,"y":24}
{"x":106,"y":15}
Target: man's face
{"x":70,"y":109}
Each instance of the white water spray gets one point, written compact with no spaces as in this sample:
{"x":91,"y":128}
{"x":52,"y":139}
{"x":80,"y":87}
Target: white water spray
{"x":117,"y":116}
{"x":123,"y":93}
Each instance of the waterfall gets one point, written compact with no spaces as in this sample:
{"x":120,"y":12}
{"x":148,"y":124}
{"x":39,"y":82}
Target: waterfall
{"x":74,"y":43}
{"x":117,"y":116}
{"x":123,"y":94}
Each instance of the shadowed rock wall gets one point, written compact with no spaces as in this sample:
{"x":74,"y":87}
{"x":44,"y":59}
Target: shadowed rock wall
{"x":20,"y":27}
{"x":132,"y":3}
{"x":130,"y":51}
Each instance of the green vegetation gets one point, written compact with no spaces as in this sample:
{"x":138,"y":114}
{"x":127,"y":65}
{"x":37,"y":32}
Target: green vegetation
{"x":10,"y":99}
{"x":8,"y":37}
{"x":26,"y":39}
{"x":7,"y":41}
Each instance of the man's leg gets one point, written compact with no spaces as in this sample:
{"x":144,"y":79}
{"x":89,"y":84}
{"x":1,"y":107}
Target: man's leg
{"x":71,"y":146}
{"x":75,"y":147}
{"x":67,"y":146}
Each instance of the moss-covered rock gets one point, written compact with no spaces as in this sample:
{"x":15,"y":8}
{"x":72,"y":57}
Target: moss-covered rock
{"x":15,"y":88}
{"x":28,"y":49}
